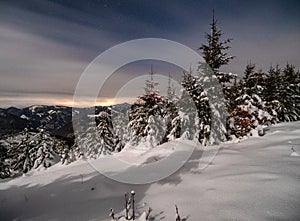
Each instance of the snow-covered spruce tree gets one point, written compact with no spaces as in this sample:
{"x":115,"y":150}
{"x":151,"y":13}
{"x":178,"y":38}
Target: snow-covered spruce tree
{"x":254,"y":81}
{"x":96,"y":140}
{"x":35,"y":150}
{"x":231,"y":88}
{"x":282,"y":93}
{"x":120,"y":126}
{"x":66,"y":153}
{"x":273,"y":86}
{"x":288,"y":95}
{"x":91,"y":141}
{"x":175,"y":128}
{"x":186,"y":123}
{"x":172,"y":126}
{"x":202,"y":120}
{"x":23,"y":154}
{"x":217,"y":104}
{"x":296,"y":96}
{"x":154,"y":130}
{"x":108,"y":141}
{"x":46,"y":150}
{"x":215,"y":56}
{"x":87,"y":142}
{"x":137,"y":122}
{"x":146,"y":116}
{"x":151,"y":116}
{"x":250,"y":111}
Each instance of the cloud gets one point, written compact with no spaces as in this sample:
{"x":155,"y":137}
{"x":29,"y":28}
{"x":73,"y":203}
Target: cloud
{"x":34,"y":63}
{"x":46,"y":45}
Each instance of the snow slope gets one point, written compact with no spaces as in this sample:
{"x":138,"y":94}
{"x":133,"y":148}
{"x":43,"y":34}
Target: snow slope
{"x":257,"y":179}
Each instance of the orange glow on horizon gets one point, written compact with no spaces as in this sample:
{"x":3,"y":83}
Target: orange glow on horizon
{"x":106,"y":102}
{"x":100,"y":102}
{"x":63,"y":101}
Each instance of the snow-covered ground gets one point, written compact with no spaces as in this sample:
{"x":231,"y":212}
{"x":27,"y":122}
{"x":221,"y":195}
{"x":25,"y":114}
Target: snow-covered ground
{"x":257,"y":179}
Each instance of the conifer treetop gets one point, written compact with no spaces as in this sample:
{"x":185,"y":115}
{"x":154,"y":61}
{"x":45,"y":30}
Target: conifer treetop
{"x":214,"y":52}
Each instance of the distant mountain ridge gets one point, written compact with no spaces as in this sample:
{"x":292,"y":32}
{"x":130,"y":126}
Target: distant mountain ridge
{"x":55,"y":119}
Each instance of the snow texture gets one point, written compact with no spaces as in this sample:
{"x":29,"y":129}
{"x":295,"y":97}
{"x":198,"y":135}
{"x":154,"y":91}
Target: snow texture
{"x":256,"y":179}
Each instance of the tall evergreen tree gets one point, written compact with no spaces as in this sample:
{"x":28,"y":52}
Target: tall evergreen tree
{"x":215,"y":56}
{"x":215,"y":51}
{"x":108,"y":141}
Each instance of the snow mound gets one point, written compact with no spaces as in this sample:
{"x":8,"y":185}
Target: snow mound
{"x":294,"y":154}
{"x":142,"y":154}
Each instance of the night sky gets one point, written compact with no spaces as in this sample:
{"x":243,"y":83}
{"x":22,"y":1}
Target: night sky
{"x":46,"y":45}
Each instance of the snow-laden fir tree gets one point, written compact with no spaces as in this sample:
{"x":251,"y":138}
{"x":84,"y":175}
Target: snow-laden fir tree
{"x":146,"y":116}
{"x":202,"y":120}
{"x":213,"y":91}
{"x":86,"y":139}
{"x":33,"y":150}
{"x":120,"y":127}
{"x":154,"y":130}
{"x":172,"y":128}
{"x":23,"y":154}
{"x":186,"y":123}
{"x":46,"y":150}
{"x":66,"y":153}
{"x":171,"y":112}
{"x":137,"y":122}
{"x":296,"y":94}
{"x":108,"y":141}
{"x":250,"y":112}
{"x":175,"y":128}
{"x":273,"y":83}
{"x":149,"y":104}
{"x":289,"y":92}
{"x":27,"y":150}
{"x":230,"y":84}
{"x":96,"y":140}
{"x":282,"y":93}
